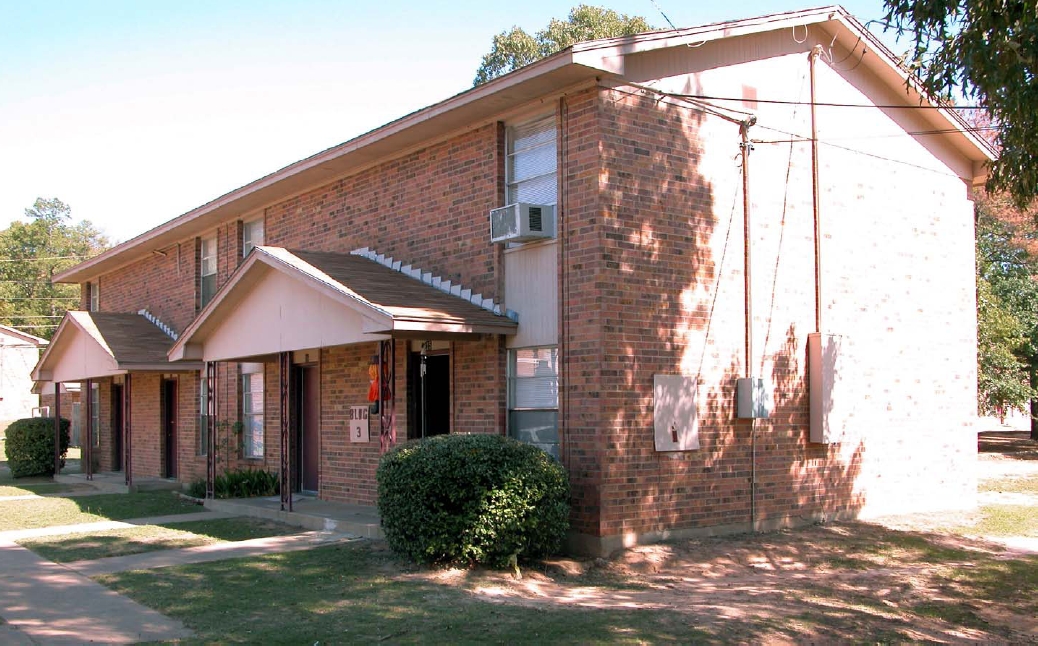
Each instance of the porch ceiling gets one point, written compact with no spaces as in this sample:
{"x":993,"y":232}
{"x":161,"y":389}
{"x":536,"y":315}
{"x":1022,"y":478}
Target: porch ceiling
{"x":281,"y":301}
{"x":90,"y":345}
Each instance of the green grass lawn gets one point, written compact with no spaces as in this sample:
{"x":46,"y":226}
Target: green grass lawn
{"x":1004,"y":520}
{"x":149,"y":538}
{"x":47,"y":512}
{"x":41,"y":488}
{"x":1021,"y":484}
{"x":346,"y":594}
{"x":361,"y":593}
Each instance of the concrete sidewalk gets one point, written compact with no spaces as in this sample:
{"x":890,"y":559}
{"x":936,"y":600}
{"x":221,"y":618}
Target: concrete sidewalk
{"x":51,"y":604}
{"x":215,"y":552}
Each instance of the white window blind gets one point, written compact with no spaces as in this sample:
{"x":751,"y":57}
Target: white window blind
{"x":252,"y":414}
{"x":252,"y":235}
{"x":533,"y":397}
{"x":531,"y":163}
{"x":207,"y":284}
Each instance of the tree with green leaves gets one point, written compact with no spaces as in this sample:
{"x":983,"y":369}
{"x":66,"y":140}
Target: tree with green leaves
{"x":31,"y":253}
{"x":516,"y":48}
{"x":1007,"y":308}
{"x":986,"y":51}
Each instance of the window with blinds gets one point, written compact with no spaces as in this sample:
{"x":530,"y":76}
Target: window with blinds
{"x":252,"y":414}
{"x":531,"y":163}
{"x":252,"y":236}
{"x":533,"y":397}
{"x":207,"y":275}
{"x":203,"y":413}
{"x":95,"y":414}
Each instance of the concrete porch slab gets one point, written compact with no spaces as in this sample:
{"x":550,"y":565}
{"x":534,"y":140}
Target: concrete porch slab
{"x":115,"y":482}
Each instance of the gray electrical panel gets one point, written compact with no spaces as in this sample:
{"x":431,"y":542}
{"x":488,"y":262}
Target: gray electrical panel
{"x":752,"y":398}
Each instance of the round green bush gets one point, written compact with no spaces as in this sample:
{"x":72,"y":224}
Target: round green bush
{"x":30,"y":446}
{"x":475,"y":499}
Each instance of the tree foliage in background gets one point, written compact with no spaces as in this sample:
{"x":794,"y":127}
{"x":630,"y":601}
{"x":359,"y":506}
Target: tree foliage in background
{"x":515,"y":48}
{"x":987,"y":51}
{"x":1007,"y":307}
{"x":31,"y":253}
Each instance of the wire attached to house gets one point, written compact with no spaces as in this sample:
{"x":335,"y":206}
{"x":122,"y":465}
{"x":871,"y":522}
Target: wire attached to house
{"x":663,"y":14}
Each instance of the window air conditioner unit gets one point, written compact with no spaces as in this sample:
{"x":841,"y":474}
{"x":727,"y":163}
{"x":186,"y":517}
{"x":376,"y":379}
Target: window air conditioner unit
{"x":522,"y":222}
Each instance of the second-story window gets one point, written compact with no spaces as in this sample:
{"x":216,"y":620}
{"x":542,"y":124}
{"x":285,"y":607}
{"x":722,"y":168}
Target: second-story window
{"x":94,"y":289}
{"x":207,"y":281}
{"x":251,"y":236}
{"x":531,"y":163}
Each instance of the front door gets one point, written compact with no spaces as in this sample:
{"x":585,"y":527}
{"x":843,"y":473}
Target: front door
{"x":430,"y":390}
{"x":308,"y":420}
{"x":117,"y":427}
{"x":169,"y":427}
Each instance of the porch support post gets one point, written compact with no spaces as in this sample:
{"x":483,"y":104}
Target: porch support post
{"x":284,"y":371}
{"x":210,"y":422}
{"x":88,"y":448}
{"x":387,"y":394}
{"x":57,"y":428}
{"x":128,"y":429}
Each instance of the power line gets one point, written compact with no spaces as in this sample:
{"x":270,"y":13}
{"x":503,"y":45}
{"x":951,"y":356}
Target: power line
{"x":740,"y":99}
{"x":663,"y":14}
{"x":47,"y":258}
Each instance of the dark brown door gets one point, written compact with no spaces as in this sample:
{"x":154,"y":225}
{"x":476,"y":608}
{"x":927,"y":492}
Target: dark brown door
{"x":117,"y":427}
{"x":169,"y":427}
{"x":309,"y":435}
{"x":429,"y":395}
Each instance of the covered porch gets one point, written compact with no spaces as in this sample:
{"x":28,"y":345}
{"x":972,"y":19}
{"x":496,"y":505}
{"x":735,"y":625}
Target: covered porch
{"x":109,"y":349}
{"x":325,"y":327}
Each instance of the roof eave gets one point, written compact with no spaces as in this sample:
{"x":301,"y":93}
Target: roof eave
{"x":472,"y":106}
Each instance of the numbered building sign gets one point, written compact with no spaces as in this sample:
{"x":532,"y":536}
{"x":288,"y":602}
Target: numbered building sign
{"x":358,"y":423}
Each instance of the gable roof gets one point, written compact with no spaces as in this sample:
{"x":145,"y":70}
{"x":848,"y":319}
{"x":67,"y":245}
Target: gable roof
{"x":22,"y":336}
{"x":88,"y":345}
{"x":584,"y":63}
{"x":365,"y":299}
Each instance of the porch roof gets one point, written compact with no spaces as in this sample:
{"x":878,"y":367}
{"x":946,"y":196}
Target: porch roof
{"x":90,"y":345}
{"x":281,"y":300}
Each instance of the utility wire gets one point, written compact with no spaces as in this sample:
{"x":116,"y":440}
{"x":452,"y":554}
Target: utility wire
{"x":663,"y":14}
{"x":708,"y":97}
{"x":48,"y":258}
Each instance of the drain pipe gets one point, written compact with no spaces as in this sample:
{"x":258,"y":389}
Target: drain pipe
{"x":745,"y":147}
{"x":816,"y":200}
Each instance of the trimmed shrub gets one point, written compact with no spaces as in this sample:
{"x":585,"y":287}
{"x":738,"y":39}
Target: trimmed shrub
{"x":243,"y":483}
{"x":475,"y":499}
{"x":30,"y":446}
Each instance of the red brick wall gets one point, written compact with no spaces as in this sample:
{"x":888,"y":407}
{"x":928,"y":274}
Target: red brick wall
{"x":428,"y":208}
{"x":163,"y":285}
{"x":146,"y":420}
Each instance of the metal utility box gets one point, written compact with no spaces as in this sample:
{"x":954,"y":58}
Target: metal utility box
{"x":829,"y":392}
{"x":675,"y":416}
{"x":752,"y":398}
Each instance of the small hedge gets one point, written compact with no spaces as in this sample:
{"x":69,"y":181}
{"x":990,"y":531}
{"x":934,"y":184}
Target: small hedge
{"x":243,"y":483}
{"x":475,"y":499}
{"x":30,"y":446}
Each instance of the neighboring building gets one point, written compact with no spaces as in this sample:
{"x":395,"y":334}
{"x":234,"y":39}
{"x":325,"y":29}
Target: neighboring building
{"x":616,"y":337}
{"x":19,"y":352}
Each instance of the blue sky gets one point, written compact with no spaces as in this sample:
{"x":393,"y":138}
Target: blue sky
{"x":133,"y":112}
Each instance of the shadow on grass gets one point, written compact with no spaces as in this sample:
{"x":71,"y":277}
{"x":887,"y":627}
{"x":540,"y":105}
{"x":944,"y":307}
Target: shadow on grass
{"x":150,"y":538}
{"x":843,"y":582}
{"x":1016,"y":445}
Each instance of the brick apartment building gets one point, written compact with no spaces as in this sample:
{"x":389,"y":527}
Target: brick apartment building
{"x":737,"y":290}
